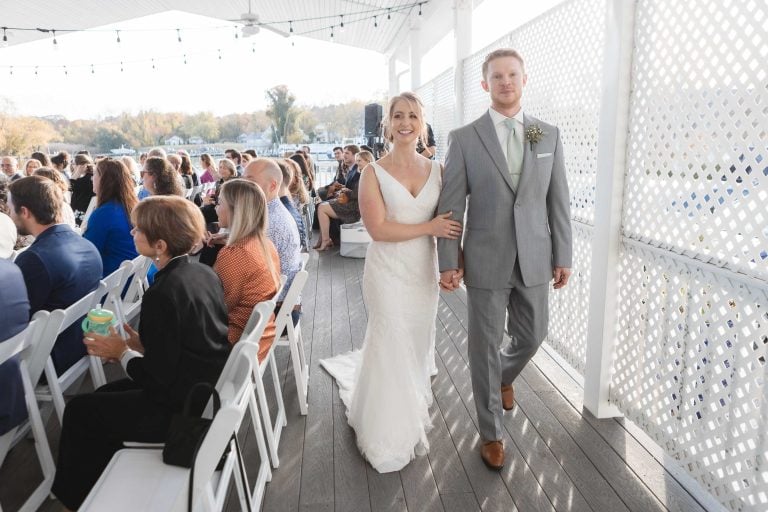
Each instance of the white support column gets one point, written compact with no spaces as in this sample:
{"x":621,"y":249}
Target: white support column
{"x":462,"y":30}
{"x":394,"y":78}
{"x":416,"y":54}
{"x":609,"y":195}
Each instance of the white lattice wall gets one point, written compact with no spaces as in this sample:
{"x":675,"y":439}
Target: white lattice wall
{"x":690,"y":357}
{"x":437,"y":96}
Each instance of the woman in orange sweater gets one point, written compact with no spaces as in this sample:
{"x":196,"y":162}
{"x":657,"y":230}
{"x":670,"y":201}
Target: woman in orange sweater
{"x":248,"y":266}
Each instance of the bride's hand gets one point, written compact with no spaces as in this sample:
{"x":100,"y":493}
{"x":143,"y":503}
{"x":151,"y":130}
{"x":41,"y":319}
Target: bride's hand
{"x":443,"y":227}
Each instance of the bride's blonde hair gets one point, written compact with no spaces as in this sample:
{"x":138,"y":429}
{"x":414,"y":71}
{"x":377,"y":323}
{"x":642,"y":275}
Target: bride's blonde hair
{"x":415,"y":104}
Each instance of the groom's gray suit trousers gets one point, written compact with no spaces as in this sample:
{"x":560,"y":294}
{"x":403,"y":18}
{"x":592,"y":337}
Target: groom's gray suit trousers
{"x":491,"y":365}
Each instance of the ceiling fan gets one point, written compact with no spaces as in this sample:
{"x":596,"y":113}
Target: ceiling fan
{"x":252,"y":25}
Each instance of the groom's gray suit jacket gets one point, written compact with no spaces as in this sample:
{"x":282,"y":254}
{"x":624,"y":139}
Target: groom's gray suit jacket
{"x":532,"y":226}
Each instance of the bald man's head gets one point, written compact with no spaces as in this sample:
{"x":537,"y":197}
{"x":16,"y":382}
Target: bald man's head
{"x":266,"y":174}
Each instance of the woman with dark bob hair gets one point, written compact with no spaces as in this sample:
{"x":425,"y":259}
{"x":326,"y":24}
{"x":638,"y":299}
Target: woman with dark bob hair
{"x":109,"y":227}
{"x":172,"y":351}
{"x":160,"y":178}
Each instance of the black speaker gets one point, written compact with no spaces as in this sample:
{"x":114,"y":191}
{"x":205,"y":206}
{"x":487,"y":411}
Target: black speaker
{"x":373,"y":114}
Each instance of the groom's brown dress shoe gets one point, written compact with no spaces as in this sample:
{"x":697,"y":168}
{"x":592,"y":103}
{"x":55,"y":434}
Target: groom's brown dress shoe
{"x":507,"y":397}
{"x":492,"y":453}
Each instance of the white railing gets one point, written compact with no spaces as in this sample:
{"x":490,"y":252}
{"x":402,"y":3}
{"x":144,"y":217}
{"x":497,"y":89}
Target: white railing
{"x":687,"y":285}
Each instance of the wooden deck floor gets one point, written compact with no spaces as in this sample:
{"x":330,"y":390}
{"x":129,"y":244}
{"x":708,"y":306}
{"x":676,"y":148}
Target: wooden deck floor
{"x":558,"y":458}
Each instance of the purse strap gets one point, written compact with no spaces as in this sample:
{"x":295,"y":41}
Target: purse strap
{"x":193,"y":391}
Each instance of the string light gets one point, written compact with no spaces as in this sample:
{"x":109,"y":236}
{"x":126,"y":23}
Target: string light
{"x":92,"y":70}
{"x":371,"y":13}
{"x":11,"y":70}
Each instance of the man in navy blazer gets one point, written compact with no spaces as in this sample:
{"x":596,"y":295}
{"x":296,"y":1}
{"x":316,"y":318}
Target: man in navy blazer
{"x":60,"y":267}
{"x":14,"y":306}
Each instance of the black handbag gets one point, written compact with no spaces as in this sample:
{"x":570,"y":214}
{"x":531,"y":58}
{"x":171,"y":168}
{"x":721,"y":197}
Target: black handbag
{"x":186,"y":432}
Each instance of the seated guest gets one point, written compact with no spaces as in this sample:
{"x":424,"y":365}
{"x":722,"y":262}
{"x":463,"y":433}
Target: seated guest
{"x":305,"y":171}
{"x":133,"y":168}
{"x":248,"y":266}
{"x":187,"y":173}
{"x":82,"y":186}
{"x":109,"y":227}
{"x":160,"y":178}
{"x":15,"y":310}
{"x":281,"y":227}
{"x":345,"y":207}
{"x":299,"y":194}
{"x":31,"y":166}
{"x":285,"y":197}
{"x":67,"y":215}
{"x":172,"y":351}
{"x":330,"y":190}
{"x":43,"y":158}
{"x":236,"y":157}
{"x":60,"y":267}
{"x":209,"y":169}
{"x":60,"y":162}
{"x":10,"y":167}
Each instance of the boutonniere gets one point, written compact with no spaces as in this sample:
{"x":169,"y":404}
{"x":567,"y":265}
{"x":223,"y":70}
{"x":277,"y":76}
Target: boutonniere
{"x":533,"y":134}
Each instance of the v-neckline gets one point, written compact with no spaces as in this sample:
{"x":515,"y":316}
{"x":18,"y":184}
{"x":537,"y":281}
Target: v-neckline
{"x":423,"y":186}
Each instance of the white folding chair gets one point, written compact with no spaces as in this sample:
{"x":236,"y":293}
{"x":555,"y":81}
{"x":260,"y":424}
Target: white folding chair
{"x":23,"y":344}
{"x":293,"y":338}
{"x":131,"y":305}
{"x":139,"y":480}
{"x":247,"y":347}
{"x":60,"y":320}
{"x":272,"y":431}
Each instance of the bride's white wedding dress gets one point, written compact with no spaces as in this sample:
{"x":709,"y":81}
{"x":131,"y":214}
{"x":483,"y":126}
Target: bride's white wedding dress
{"x":386,"y":385}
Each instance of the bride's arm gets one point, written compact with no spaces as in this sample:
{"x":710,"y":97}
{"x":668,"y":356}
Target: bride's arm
{"x":373,"y":211}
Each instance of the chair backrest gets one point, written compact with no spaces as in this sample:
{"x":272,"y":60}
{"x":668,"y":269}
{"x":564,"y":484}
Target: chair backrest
{"x":136,"y":289}
{"x":236,"y":374}
{"x":216,"y":439}
{"x":304,"y":260}
{"x":256,"y":324}
{"x":114,"y":284}
{"x":18,"y":343}
{"x":291,"y":299}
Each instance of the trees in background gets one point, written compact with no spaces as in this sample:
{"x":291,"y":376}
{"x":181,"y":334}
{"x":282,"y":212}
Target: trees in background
{"x":289,"y":123}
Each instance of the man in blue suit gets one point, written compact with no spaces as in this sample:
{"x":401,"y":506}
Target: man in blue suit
{"x":14,"y":306}
{"x":60,"y":267}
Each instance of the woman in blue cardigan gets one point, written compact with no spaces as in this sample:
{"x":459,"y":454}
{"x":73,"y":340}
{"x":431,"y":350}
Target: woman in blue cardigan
{"x":109,"y":227}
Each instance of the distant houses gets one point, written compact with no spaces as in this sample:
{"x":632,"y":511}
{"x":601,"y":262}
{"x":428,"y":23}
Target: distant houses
{"x":174,"y":140}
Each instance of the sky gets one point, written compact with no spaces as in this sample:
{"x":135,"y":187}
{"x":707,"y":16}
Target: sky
{"x":221,"y":75}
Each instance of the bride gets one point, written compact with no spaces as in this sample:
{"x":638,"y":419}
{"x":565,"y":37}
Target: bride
{"x":385,"y":385}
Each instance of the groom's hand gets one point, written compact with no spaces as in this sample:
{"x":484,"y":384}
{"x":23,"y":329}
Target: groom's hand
{"x":450,"y":279}
{"x":561,"y":275}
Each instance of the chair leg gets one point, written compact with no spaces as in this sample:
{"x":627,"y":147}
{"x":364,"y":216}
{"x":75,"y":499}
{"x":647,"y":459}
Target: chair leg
{"x":97,"y":371}
{"x":266,"y":417}
{"x":5,"y":443}
{"x":57,"y":396}
{"x":297,"y":361}
{"x":281,"y":420}
{"x":41,"y":445}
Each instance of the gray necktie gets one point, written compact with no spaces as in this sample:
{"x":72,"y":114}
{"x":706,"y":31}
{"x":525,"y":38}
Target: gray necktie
{"x":514,"y":155}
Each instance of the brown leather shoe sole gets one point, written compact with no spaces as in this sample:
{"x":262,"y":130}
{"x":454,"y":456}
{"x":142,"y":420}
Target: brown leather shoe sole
{"x":492,"y":454}
{"x":508,"y":397}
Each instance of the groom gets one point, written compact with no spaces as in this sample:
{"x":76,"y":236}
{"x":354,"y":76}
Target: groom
{"x":507,"y":168}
